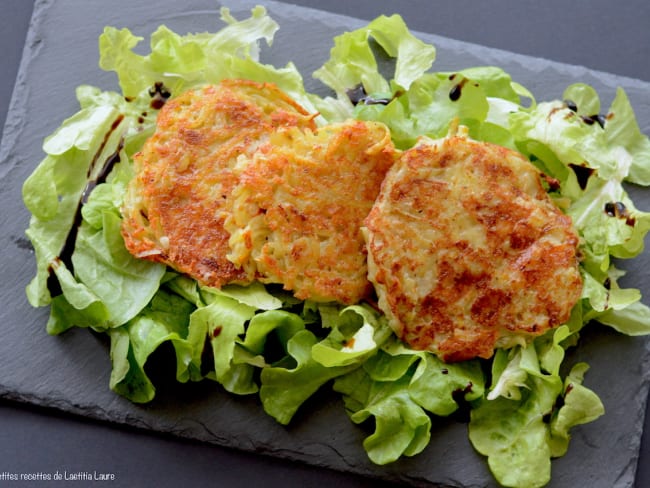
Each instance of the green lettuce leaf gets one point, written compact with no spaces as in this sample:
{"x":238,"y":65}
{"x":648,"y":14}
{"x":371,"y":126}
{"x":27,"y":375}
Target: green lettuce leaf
{"x":353,"y":60}
{"x":222,"y":321}
{"x":513,"y":436}
{"x":356,"y":334}
{"x":254,"y":295}
{"x":288,"y":384}
{"x":479,"y":98}
{"x":397,"y":387}
{"x":622,"y":130}
{"x":68,"y":216}
{"x":402,"y":427}
{"x":436,"y":386}
{"x":513,"y":433}
{"x":77,"y":306}
{"x":180,"y":62}
{"x":53,"y":191}
{"x":123,"y":283}
{"x":166,"y":318}
{"x":356,"y":61}
{"x":580,"y":405}
{"x":251,"y":352}
{"x":525,"y":419}
{"x":633,"y":320}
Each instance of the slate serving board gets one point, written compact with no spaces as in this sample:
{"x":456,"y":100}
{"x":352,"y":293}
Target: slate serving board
{"x":71,"y":372}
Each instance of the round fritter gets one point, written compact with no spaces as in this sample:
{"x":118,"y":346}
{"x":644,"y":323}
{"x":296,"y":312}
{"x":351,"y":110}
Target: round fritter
{"x":173,"y":209}
{"x":467,"y":252}
{"x":297,"y":211}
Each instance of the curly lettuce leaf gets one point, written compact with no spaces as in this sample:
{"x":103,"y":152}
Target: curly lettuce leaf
{"x":513,"y":435}
{"x":101,"y":284}
{"x":289,"y":383}
{"x":251,"y":352}
{"x":222,"y":321}
{"x":69,"y":208}
{"x":355,"y":61}
{"x":609,"y":222}
{"x":525,"y":419}
{"x":178,"y":59}
{"x":622,"y":130}
{"x":356,"y":333}
{"x":123,"y":283}
{"x":427,"y":109}
{"x":77,"y":306}
{"x":479,"y":98}
{"x":397,"y":387}
{"x":402,"y":427}
{"x":53,"y":191}
{"x":436,"y":386}
{"x":166,"y":318}
{"x":580,"y":405}
{"x":632,"y":320}
{"x":180,"y":62}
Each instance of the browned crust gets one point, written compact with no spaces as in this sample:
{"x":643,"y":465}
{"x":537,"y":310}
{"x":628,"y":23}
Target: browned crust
{"x":184,"y":173}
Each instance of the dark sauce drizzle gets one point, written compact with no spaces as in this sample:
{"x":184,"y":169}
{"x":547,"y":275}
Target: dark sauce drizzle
{"x":65,"y":255}
{"x":592,"y":119}
{"x":619,"y":211}
{"x":553,"y":184}
{"x":571,"y":105}
{"x":457,"y":90}
{"x":599,"y":119}
{"x":159,"y":95}
{"x":583,"y":172}
{"x":462,"y":414}
{"x":359,"y":95}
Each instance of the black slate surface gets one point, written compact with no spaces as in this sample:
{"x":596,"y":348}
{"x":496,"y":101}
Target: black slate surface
{"x":71,"y":372}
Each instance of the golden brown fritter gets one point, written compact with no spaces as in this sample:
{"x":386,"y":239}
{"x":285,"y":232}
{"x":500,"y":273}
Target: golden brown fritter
{"x":297,"y":212}
{"x":467,"y":252}
{"x":184,"y":174}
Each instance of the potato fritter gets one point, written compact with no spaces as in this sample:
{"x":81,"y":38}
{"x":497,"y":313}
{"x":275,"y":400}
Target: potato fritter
{"x":298,"y":209}
{"x":467,"y":252}
{"x":184,"y":173}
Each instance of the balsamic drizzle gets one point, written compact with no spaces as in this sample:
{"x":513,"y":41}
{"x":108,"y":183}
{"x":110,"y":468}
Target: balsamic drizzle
{"x":159,"y":95}
{"x":571,"y":105}
{"x":599,"y":119}
{"x":619,"y":211}
{"x":592,"y":119}
{"x":358,"y":94}
{"x":65,"y":255}
{"x":583,"y":172}
{"x":457,"y":89}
